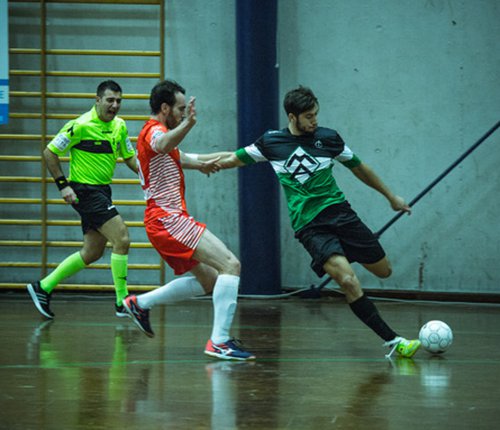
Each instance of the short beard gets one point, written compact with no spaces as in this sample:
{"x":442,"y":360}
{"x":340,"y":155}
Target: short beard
{"x":302,"y":130}
{"x":171,"y":122}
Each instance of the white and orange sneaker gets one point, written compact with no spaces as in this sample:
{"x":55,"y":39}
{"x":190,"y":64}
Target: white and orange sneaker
{"x":229,"y":350}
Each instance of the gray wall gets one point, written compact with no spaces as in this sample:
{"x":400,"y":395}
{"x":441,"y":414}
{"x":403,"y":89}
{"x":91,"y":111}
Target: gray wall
{"x":201,"y":55}
{"x":409,"y":85}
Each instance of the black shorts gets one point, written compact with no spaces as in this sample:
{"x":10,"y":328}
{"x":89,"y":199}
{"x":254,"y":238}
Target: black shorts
{"x":94,"y":205}
{"x":338,"y":230}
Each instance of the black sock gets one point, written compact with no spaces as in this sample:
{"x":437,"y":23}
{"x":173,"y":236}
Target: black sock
{"x":366,"y":311}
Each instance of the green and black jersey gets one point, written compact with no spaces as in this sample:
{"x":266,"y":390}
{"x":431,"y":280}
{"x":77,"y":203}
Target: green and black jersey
{"x":303,"y":165}
{"x":94,"y":146}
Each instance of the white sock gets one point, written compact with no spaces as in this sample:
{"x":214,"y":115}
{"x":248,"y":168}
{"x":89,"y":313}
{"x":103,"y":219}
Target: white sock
{"x":224,"y":299}
{"x":175,"y":291}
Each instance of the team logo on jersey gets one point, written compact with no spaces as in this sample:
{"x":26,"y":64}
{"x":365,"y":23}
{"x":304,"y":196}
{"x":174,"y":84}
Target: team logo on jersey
{"x":318,"y":144}
{"x":128,"y":144}
{"x":61,"y":142}
{"x":155,"y":135}
{"x":301,"y":165}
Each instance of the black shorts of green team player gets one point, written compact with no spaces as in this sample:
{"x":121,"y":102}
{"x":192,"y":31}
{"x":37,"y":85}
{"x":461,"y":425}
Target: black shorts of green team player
{"x":338,"y":230}
{"x":94,"y":205}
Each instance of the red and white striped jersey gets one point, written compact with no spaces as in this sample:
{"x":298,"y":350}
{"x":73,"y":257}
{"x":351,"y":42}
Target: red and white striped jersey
{"x":162,"y":178}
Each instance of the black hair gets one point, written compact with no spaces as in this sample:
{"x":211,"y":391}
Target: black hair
{"x":164,"y":92}
{"x":299,"y":100}
{"x":108,"y":85}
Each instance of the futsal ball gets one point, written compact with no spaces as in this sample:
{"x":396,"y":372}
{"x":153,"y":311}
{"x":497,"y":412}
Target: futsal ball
{"x":436,"y":336}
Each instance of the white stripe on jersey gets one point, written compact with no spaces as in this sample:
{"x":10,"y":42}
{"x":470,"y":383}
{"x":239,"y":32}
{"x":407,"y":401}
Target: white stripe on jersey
{"x":254,"y":152}
{"x":165,"y":182}
{"x":257,"y":156}
{"x":185,"y":230}
{"x":345,"y":155}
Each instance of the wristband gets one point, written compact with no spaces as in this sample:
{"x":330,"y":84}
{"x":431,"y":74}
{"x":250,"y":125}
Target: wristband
{"x":61,"y":182}
{"x":192,"y":155}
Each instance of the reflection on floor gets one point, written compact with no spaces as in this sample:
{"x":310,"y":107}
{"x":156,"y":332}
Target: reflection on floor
{"x":318,"y":367}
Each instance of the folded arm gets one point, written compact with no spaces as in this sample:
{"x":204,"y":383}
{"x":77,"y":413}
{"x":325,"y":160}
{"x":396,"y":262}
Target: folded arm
{"x":174,"y":137}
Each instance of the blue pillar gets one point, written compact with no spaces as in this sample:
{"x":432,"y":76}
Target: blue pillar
{"x":258,"y":111}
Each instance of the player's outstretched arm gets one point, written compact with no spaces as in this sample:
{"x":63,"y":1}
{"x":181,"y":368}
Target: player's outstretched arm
{"x":210,"y":163}
{"x":365,"y":174}
{"x":229,"y":161}
{"x":212,"y":155}
{"x":203,"y":163}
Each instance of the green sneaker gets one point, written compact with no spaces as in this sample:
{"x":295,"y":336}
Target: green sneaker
{"x":404,"y":347}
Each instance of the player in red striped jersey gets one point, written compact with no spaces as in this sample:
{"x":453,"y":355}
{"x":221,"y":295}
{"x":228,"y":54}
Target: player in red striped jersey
{"x":184,"y":243}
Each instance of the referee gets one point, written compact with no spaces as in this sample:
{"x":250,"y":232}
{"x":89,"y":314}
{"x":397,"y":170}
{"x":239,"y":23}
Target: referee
{"x":95,"y":141}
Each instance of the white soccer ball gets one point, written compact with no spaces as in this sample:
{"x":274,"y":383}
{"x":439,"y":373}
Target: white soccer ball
{"x":436,"y":336}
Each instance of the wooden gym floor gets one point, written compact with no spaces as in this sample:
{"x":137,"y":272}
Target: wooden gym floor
{"x":318,"y":367}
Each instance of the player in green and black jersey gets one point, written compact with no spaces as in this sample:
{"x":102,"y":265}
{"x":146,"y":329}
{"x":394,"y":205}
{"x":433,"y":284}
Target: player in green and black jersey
{"x":302,"y":156}
{"x":95,"y":141}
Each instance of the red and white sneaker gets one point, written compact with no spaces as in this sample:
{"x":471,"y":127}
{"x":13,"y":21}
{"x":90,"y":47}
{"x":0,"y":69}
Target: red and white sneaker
{"x":139,"y":316}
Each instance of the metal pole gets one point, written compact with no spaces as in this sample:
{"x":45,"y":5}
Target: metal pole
{"x":440,"y":177}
